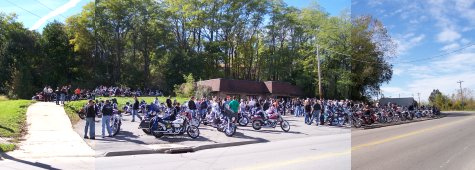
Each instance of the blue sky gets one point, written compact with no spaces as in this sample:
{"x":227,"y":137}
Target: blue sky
{"x":44,"y":11}
{"x":428,"y":31}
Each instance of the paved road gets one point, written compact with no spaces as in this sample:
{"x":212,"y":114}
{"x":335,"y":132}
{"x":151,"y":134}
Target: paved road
{"x":132,"y":139}
{"x":317,"y":152}
{"x":446,"y":143}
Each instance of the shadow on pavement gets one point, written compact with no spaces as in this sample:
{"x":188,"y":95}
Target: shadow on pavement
{"x":276,"y":131}
{"x":123,"y":136}
{"x":242,"y":136}
{"x":35,"y":164}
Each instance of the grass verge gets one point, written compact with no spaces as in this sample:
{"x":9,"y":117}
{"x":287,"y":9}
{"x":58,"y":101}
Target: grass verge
{"x":12,"y":121}
{"x":6,"y":147}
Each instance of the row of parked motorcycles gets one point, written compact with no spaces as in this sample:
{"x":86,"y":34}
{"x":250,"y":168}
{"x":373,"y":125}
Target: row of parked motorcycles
{"x":388,"y":115}
{"x":155,"y":120}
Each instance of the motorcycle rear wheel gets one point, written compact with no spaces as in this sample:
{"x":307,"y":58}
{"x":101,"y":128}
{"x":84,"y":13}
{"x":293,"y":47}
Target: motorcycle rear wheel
{"x":285,"y":126}
{"x":257,"y":124}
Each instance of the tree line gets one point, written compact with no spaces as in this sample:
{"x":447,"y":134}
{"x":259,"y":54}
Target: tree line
{"x":460,"y":100}
{"x":153,"y":44}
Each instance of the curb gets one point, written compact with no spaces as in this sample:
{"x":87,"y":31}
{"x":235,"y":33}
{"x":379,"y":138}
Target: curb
{"x":150,"y":151}
{"x":222,"y":145}
{"x":179,"y":150}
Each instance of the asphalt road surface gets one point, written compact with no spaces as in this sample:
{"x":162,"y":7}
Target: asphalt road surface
{"x":317,"y":152}
{"x":445,"y":143}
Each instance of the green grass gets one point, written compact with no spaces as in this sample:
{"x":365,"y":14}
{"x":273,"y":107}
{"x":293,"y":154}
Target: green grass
{"x":73,"y":107}
{"x":6,"y":147}
{"x":13,"y":117}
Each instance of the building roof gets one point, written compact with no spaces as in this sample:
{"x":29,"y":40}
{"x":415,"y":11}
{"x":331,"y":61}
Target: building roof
{"x":252,"y":87}
{"x":399,"y":101}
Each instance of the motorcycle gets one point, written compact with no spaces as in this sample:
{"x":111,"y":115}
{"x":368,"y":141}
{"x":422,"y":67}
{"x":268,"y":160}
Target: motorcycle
{"x":244,"y":118}
{"x":116,"y":122}
{"x":225,"y":124}
{"x":127,"y":108}
{"x":261,"y":120}
{"x":158,"y":127}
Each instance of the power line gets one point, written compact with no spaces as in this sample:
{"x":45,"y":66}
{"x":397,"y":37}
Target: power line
{"x":49,"y":8}
{"x":23,"y":9}
{"x":440,"y":55}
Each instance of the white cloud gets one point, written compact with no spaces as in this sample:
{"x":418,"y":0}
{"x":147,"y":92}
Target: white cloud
{"x":448,"y":35}
{"x":397,"y":71}
{"x":408,"y":41}
{"x":56,"y":12}
{"x":451,"y":47}
{"x":441,"y":74}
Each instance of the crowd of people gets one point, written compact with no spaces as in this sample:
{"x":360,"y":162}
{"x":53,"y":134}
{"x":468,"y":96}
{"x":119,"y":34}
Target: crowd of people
{"x":66,"y":93}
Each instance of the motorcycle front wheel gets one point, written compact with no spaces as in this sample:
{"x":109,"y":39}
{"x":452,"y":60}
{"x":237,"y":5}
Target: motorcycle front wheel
{"x":147,"y":131}
{"x":243,"y":121}
{"x":157,"y":134}
{"x":285,"y":125}
{"x":230,"y":130}
{"x":257,"y":124}
{"x":357,"y":122}
{"x":116,"y":127}
{"x":193,"y":131}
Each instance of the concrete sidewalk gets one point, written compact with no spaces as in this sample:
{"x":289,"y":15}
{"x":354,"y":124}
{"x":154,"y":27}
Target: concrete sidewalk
{"x":50,"y":134}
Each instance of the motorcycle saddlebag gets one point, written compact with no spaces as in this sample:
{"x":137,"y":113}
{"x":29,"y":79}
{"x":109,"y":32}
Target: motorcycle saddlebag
{"x":145,"y":124}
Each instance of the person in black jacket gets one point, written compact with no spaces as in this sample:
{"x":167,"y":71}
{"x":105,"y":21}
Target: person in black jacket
{"x":135,"y":109}
{"x":316,"y":111}
{"x":169,"y":102}
{"x":106,"y":117}
{"x":192,"y":106}
{"x":90,"y":120}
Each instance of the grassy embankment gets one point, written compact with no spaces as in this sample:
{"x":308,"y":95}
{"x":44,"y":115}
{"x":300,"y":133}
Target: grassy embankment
{"x":12,"y":122}
{"x":73,"y":107}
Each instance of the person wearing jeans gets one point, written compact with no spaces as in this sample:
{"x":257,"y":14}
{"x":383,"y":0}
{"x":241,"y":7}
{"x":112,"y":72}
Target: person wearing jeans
{"x":135,"y":109}
{"x":316,"y":110}
{"x":90,"y":122}
{"x":106,"y":117}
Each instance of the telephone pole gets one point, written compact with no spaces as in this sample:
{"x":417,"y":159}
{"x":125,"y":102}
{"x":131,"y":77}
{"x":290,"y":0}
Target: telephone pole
{"x":319,"y":75}
{"x":419,"y":96}
{"x":461,"y":91}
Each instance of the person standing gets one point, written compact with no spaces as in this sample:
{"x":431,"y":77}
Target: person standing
{"x":234,"y":106}
{"x":58,"y":93}
{"x":316,"y":111}
{"x":192,"y":106}
{"x":135,"y":109}
{"x":106,"y":117}
{"x":90,"y":120}
{"x":307,"y":110}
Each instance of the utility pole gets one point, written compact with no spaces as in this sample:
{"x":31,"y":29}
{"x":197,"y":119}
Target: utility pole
{"x":319,"y":75}
{"x":461,"y":91}
{"x":419,"y":95}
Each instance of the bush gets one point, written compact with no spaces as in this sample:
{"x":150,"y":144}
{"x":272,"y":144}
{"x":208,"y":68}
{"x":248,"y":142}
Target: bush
{"x":202,"y":91}
{"x":186,"y":89}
